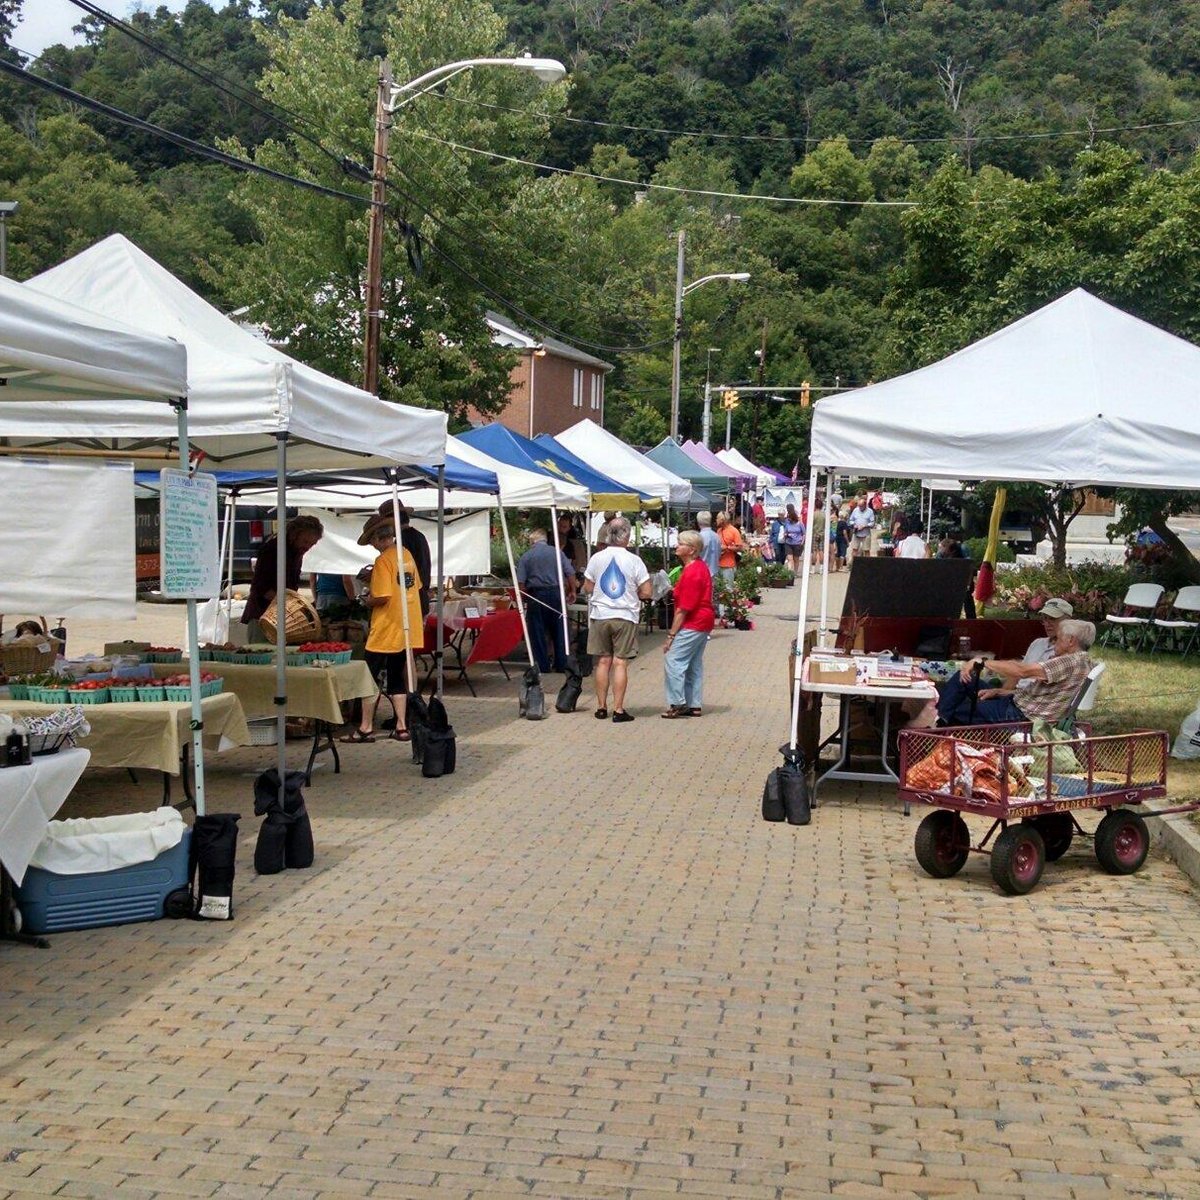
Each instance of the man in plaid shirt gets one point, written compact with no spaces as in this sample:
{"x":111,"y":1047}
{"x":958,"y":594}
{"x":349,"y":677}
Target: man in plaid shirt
{"x":1047,"y":694}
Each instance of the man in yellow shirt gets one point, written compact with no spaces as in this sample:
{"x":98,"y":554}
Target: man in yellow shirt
{"x":387,"y":639}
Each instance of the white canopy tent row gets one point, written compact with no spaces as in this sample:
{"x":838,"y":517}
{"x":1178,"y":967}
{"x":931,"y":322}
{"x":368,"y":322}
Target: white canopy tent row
{"x":250,"y":405}
{"x":64,"y":362}
{"x":1078,"y":393}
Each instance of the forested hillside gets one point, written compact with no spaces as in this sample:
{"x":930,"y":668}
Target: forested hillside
{"x":897,"y":177}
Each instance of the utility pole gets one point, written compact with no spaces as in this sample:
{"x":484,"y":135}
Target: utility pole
{"x":383,"y":127}
{"x":678,"y":337}
{"x":762,"y":370}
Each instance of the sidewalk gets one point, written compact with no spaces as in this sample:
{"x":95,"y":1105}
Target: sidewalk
{"x":583,"y":966}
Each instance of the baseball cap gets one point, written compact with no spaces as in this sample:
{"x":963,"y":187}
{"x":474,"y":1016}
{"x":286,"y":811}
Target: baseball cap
{"x":1056,"y":607}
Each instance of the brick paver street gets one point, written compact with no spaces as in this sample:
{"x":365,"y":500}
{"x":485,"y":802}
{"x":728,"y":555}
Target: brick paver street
{"x":583,"y":966}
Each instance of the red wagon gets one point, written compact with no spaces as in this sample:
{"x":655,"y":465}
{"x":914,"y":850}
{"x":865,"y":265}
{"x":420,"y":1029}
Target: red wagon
{"x":1031,"y":787}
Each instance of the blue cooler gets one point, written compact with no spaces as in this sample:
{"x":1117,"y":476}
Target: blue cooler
{"x":52,"y":903}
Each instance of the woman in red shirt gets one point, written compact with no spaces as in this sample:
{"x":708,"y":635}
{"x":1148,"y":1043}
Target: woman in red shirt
{"x":683,"y":664}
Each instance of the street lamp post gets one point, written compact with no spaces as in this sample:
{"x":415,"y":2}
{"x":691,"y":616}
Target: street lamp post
{"x":680,"y":291}
{"x":8,"y":208}
{"x":706,"y":426}
{"x":389,"y":98}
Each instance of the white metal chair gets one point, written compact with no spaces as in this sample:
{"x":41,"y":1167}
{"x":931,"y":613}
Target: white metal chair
{"x":1136,"y":615}
{"x":1179,"y":626}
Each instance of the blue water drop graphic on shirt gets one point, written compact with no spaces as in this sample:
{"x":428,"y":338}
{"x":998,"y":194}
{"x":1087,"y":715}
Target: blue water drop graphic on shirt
{"x":612,"y":582}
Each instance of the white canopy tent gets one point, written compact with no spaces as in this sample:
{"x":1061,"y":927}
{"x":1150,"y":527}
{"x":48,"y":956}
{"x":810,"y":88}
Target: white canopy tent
{"x":250,"y":405}
{"x":243,"y":392}
{"x":64,"y":362}
{"x":606,"y":452}
{"x":737,"y":461}
{"x":1076,"y":393}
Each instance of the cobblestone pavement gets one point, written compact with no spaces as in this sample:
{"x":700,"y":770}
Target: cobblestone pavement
{"x":583,"y":966}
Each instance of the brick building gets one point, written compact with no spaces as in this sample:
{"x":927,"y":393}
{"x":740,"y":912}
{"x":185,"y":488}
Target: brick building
{"x":553,"y":386}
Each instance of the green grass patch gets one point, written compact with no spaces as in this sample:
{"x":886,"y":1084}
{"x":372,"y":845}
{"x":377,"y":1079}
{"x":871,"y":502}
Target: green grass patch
{"x":1143,"y":691}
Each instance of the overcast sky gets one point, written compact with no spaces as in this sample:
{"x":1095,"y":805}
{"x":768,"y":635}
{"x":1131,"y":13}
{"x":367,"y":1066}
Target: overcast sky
{"x":46,"y":22}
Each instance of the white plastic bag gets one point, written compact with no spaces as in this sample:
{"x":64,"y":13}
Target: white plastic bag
{"x":212,"y":622}
{"x":1187,"y":744}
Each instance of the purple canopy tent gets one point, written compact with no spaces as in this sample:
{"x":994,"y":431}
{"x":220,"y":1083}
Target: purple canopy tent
{"x":704,"y":457}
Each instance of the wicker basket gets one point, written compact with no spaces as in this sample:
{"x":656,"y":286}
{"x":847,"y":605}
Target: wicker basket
{"x":26,"y":657}
{"x":302,"y":622}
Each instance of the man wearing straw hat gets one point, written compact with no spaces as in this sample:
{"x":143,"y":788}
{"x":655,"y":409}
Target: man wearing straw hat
{"x":386,"y":641}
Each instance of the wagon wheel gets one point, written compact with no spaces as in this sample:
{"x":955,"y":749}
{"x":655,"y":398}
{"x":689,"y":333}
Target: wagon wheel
{"x":942,"y":844}
{"x":1122,"y":842}
{"x":1057,"y":830}
{"x":1018,"y":856}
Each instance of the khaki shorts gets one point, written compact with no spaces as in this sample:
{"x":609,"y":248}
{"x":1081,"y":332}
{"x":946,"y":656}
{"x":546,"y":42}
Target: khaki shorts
{"x":613,"y":638}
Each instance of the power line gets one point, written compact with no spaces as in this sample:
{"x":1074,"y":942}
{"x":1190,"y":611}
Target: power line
{"x":177,"y":139}
{"x":808,"y":139}
{"x":509,"y":305}
{"x":221,"y":84}
{"x":666,"y":187}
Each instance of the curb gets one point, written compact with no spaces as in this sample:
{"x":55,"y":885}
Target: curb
{"x":1179,"y":839}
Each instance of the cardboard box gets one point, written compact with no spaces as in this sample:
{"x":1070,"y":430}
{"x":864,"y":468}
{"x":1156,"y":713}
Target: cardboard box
{"x":830,"y":672}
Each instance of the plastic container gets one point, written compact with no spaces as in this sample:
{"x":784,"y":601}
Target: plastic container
{"x":264,"y":732}
{"x":88,"y":696}
{"x":300,"y":658}
{"x":334,"y":656}
{"x":151,"y":693}
{"x":259,"y":658}
{"x":213,"y":687}
{"x":18,"y":691}
{"x":123,"y":693}
{"x":51,"y":695}
{"x":53,"y":903}
{"x":177,"y":694}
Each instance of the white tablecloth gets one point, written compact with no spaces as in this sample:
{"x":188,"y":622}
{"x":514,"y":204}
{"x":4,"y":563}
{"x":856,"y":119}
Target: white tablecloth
{"x":29,"y":798}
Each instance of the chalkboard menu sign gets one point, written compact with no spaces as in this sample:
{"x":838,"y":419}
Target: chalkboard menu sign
{"x":188,"y":536}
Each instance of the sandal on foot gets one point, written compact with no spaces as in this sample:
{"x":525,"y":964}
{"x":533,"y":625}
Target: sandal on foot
{"x":600,"y":714}
{"x":357,"y":736}
{"x":695,"y":712}
{"x":621,"y":715}
{"x":675,"y":712}
{"x":400,"y":735}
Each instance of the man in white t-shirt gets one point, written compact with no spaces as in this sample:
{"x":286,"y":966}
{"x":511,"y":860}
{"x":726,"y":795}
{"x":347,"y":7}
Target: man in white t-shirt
{"x":616,"y":582}
{"x":861,"y":521}
{"x":912,"y":546}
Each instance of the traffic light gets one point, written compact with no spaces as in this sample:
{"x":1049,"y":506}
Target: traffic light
{"x":804,"y":394}
{"x":729,"y":399}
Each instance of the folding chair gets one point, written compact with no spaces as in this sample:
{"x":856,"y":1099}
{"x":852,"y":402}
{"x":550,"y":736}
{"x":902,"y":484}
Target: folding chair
{"x":1141,"y":598}
{"x":1084,"y":700}
{"x":499,"y":636}
{"x":1178,"y":627}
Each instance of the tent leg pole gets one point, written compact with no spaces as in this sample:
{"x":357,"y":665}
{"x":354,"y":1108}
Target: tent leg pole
{"x":232,"y":509}
{"x":512,"y":566}
{"x":441,"y":587}
{"x":193,"y":644}
{"x":802,"y":618}
{"x":280,"y":607}
{"x":562,"y":587}
{"x":825,"y":560}
{"x":400,"y":578}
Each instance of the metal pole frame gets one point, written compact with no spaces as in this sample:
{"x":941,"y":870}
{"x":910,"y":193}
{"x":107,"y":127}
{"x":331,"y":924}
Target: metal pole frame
{"x":197,"y":719}
{"x":562,"y":587}
{"x":409,"y":663}
{"x":441,"y":584}
{"x":280,"y":609}
{"x":802,"y":617}
{"x":512,"y":566}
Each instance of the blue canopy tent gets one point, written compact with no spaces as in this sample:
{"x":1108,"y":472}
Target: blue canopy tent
{"x":515,"y":450}
{"x":552,"y":460}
